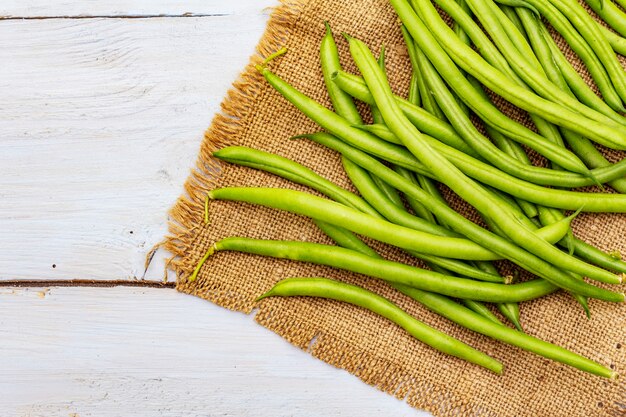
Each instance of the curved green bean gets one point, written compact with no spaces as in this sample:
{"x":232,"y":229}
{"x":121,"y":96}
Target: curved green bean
{"x":334,"y":290}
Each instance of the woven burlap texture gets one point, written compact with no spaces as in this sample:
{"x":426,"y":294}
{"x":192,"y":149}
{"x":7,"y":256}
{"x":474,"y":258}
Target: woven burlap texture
{"x":375,"y":350}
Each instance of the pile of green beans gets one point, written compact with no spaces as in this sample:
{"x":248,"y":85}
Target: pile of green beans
{"x":396,"y":163}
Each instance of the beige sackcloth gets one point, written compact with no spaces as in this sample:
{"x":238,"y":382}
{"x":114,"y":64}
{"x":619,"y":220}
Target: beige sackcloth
{"x":366,"y":345}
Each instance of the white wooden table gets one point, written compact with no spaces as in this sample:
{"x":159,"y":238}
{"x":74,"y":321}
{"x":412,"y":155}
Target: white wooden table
{"x":103,"y":108}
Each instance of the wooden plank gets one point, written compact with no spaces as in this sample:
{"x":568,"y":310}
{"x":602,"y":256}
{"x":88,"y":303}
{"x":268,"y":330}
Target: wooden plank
{"x":149,"y":352}
{"x":101,"y":120}
{"x":75,"y":8}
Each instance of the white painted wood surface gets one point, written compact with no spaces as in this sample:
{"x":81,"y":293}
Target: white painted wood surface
{"x":157,"y":353}
{"x":88,"y":8}
{"x":100,"y":120}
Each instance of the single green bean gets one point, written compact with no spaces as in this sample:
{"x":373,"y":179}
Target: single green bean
{"x":376,"y":116}
{"x":511,"y":312}
{"x":346,"y":239}
{"x":610,"y":13}
{"x":389,"y":271}
{"x":334,"y":290}
{"x":414,"y":91}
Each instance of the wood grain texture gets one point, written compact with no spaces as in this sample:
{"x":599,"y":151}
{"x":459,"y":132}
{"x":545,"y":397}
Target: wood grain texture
{"x":154,"y":352}
{"x":101,"y":120}
{"x":135,"y":8}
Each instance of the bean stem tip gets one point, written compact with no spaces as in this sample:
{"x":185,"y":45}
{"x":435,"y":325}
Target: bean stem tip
{"x":206,"y":256}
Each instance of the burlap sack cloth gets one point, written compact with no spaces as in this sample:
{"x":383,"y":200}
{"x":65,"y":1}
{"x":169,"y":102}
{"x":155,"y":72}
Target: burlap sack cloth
{"x":375,"y":350}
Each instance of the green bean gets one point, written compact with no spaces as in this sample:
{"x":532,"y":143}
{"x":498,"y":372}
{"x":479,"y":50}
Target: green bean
{"x":369,"y":189}
{"x":483,"y":146}
{"x":334,"y":290}
{"x":517,"y":4}
{"x":292,"y":171}
{"x":389,"y":271}
{"x":508,"y":310}
{"x":511,"y":312}
{"x":414,"y":91}
{"x":471,"y":62}
{"x":469,"y":319}
{"x":355,"y":86}
{"x":305,"y":204}
{"x":480,"y":308}
{"x":376,"y":116}
{"x":542,"y":176}
{"x":342,"y":102}
{"x":462,"y":225}
{"x":389,"y":193}
{"x":494,"y":57}
{"x":580,"y":145}
{"x":510,"y":12}
{"x":329,"y":59}
{"x":509,"y":40}
{"x":617,"y":42}
{"x":428,"y":101}
{"x":346,"y":239}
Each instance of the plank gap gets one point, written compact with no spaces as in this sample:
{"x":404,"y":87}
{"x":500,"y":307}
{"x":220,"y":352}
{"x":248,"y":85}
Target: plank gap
{"x":144,"y":16}
{"x":86,"y":283}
